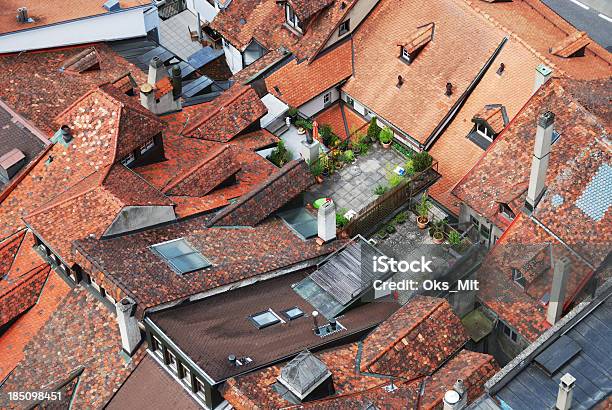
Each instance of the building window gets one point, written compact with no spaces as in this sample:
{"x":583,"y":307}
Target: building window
{"x":485,"y":231}
{"x":292,"y":20}
{"x":474,"y":221}
{"x":483,"y":130}
{"x":156,"y":346}
{"x":199,"y":388}
{"x":505,"y":210}
{"x":406,"y":55}
{"x":327,"y":97}
{"x":128,"y":160}
{"x":172,"y":361}
{"x":518,"y":278}
{"x":147,"y":146}
{"x":344,"y":27}
{"x":350,"y":102}
{"x":185,"y":374}
{"x":511,"y":334}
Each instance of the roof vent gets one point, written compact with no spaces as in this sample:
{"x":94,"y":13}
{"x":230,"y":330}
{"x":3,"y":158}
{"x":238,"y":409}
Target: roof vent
{"x":342,"y":6}
{"x":400,"y":81}
{"x":456,"y":399}
{"x":501,"y":68}
{"x":232,"y":359}
{"x":66,"y":133}
{"x":302,"y":375}
{"x":22,"y":15}
{"x":112,"y":5}
{"x":566,"y":392}
{"x":449,"y":89}
{"x":11,"y":163}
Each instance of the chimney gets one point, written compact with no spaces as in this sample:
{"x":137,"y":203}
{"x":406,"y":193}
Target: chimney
{"x":232,"y":359}
{"x":177,"y":82}
{"x":327,"y":221}
{"x":400,"y":81}
{"x":157,"y":71}
{"x":449,"y":89}
{"x":22,"y":15}
{"x":557,"y":291}
{"x":316,"y":322}
{"x":566,"y":391}
{"x":539,"y":163}
{"x":543,"y":74}
{"x":66,"y":134}
{"x":456,"y":398}
{"x":128,"y":325}
{"x":147,"y":97}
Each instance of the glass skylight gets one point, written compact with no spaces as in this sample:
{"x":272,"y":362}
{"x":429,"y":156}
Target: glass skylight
{"x":180,"y":256}
{"x":264,"y":319}
{"x":293,"y":313}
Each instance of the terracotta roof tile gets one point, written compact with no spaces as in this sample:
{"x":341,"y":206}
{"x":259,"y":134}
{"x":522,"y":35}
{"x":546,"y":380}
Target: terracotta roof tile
{"x":87,"y":59}
{"x":280,"y":188}
{"x":297,"y":83}
{"x":163,"y":87}
{"x":415,"y":340}
{"x":307,"y":8}
{"x":47,"y":91}
{"x":24,"y":295}
{"x":232,"y":112}
{"x":14,"y":340}
{"x":65,"y":345}
{"x":572,"y":45}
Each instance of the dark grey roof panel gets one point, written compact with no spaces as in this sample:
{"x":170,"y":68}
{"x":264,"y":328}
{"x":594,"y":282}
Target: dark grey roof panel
{"x":204,"y":56}
{"x":562,"y":350}
{"x":192,"y":88}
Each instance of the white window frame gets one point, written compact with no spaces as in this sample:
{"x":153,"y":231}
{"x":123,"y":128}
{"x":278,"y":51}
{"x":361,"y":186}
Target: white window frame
{"x":484,"y":132}
{"x":174,"y":366}
{"x":200,"y":391}
{"x":342,"y":30}
{"x":406,"y":55}
{"x":508,"y":332}
{"x":128,"y":159}
{"x":292,"y":19}
{"x":147,"y":146}
{"x":327,"y":98}
{"x":186,"y":375}
{"x":159,"y":351}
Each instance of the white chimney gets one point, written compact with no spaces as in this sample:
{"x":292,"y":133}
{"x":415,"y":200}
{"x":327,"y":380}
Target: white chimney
{"x":542,"y":75}
{"x":128,"y":325}
{"x":157,"y":71}
{"x":147,"y":97}
{"x":557,"y":291}
{"x":456,"y":399}
{"x":539,"y":163}
{"x":327,"y":221}
{"x":566,"y":391}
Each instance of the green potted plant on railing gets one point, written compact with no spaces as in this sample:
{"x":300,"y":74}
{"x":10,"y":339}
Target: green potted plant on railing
{"x":437,"y":231}
{"x":386,"y":136}
{"x":422,"y":209}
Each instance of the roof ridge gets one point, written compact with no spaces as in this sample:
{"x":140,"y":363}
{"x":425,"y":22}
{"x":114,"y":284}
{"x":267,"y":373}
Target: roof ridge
{"x":220,"y":107}
{"x":218,"y":151}
{"x":408,"y":331}
{"x":515,"y":36}
{"x":33,"y":273}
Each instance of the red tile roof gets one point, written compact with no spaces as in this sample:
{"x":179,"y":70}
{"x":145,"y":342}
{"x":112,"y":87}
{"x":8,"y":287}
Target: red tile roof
{"x":287,"y":183}
{"x":415,"y":340}
{"x":296,"y":83}
{"x":230,"y":114}
{"x":15,"y":339}
{"x":47,"y":91}
{"x":502,"y":174}
{"x":335,"y":115}
{"x":305,"y":9}
{"x":90,"y":207}
{"x":462,"y":44}
{"x":571,"y":44}
{"x":52,"y":13}
{"x":493,"y":115}
{"x":87,"y":59}
{"x":419,"y":38}
{"x":67,"y":344}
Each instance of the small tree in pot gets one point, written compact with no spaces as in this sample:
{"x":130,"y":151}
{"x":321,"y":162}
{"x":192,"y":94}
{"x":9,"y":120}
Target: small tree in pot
{"x":385,"y":137}
{"x":422,"y":209}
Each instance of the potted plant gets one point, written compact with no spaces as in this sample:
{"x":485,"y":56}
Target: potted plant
{"x":386,"y":137}
{"x":437,"y":231}
{"x":317,"y":169}
{"x":324,"y":161}
{"x":373,"y":131}
{"x":303,"y":125}
{"x":423,"y":212}
{"x":454,"y":239}
{"x":349,"y":156}
{"x":380,"y":190}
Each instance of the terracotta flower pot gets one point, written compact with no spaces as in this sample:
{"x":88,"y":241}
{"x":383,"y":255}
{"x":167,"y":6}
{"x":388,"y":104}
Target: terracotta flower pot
{"x":438,"y":238}
{"x":387,"y":145}
{"x":422,"y":222}
{"x":319,"y":179}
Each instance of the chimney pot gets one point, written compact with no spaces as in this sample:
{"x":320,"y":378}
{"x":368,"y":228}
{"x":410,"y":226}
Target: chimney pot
{"x":326,"y":221}
{"x":232,"y":359}
{"x":177,"y":82}
{"x":449,"y":89}
{"x":501,"y":68}
{"x":566,"y":392}
{"x":400,"y":81}
{"x":22,"y":15}
{"x":66,"y":134}
{"x":542,"y":75}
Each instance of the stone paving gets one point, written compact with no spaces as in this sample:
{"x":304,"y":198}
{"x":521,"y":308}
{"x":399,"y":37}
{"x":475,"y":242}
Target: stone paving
{"x":352,"y":187}
{"x":174,"y":34}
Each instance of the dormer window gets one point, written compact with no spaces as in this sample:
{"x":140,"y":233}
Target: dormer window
{"x":292,"y":20}
{"x":345,"y":27}
{"x":417,"y":41}
{"x":484,"y":131}
{"x":518,"y":278}
{"x":406,"y":55}
{"x":505,"y":210}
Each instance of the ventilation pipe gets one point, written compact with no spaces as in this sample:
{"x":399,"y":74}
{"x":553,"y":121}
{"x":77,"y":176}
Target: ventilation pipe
{"x":22,"y":15}
{"x":66,"y":134}
{"x":177,"y":82}
{"x":327,"y":221}
{"x":157,"y":71}
{"x":456,"y":398}
{"x":558,"y":289}
{"x":542,"y":75}
{"x":128,"y":325}
{"x":539,"y":163}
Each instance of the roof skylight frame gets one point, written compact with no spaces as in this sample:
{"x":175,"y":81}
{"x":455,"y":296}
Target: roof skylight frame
{"x":293,"y":316}
{"x":268,"y":312}
{"x":174,"y":258}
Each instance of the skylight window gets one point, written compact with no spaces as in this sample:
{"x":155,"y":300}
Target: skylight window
{"x":180,"y":256}
{"x":293,"y":313}
{"x":264,"y":319}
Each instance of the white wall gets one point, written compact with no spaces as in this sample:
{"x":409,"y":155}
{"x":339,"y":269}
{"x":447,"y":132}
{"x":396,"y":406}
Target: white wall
{"x":232,"y":56}
{"x":206,"y":10}
{"x":119,"y":25}
{"x":356,"y":15}
{"x":465,"y":212}
{"x":316,"y":104}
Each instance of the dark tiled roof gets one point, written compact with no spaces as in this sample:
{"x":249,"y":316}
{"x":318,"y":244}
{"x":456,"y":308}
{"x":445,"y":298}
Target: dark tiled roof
{"x":287,"y":183}
{"x":46,"y":91}
{"x":211,"y":329}
{"x":69,"y":343}
{"x":152,"y":387}
{"x":503,"y":172}
{"x":298,"y":83}
{"x":307,"y":8}
{"x":230,"y":114}
{"x":87,"y":59}
{"x":415,"y":340}
{"x":235,"y":254}
{"x":23,"y":296}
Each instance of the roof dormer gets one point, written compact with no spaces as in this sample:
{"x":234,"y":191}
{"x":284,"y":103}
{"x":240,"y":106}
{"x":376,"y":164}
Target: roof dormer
{"x":417,"y":41}
{"x":488,"y":124}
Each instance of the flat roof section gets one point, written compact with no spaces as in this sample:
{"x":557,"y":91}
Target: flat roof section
{"x":210,"y":330}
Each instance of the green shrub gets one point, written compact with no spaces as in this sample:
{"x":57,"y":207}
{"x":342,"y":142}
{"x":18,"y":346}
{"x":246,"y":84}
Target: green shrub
{"x":390,"y":228}
{"x":363,"y":148}
{"x":349,"y":156}
{"x":302,"y":123}
{"x":402,"y":150}
{"x":386,"y":135}
{"x":421,"y":161}
{"x":400,"y":218}
{"x":409,"y":167}
{"x":341,"y":220}
{"x":327,"y":135}
{"x":280,"y":155}
{"x":423,"y":206}
{"x":454,"y":238}
{"x":380,"y":190}
{"x":373,"y":130}
{"x":292,"y":112}
{"x":316,"y":168}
